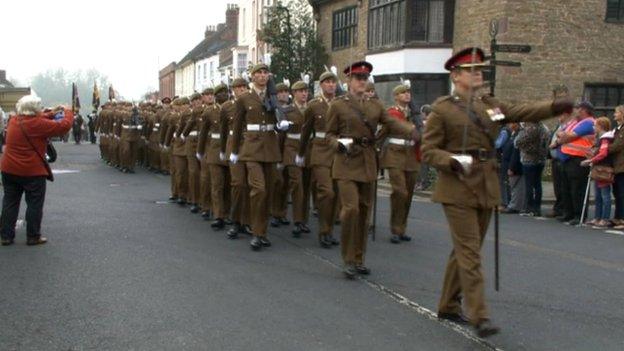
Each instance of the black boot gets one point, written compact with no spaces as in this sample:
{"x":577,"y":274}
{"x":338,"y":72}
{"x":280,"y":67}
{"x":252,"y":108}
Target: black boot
{"x":395,"y":239}
{"x":325,"y":242}
{"x":297,"y":231}
{"x":181,"y":202}
{"x":206,"y":215}
{"x":194,"y":208}
{"x":485,"y":328}
{"x":173,"y":199}
{"x":349,"y":271}
{"x":304,"y":228}
{"x":275,"y":222}
{"x":284,"y":221}
{"x":255,"y":243}
{"x":218,"y":224}
{"x":233,"y":232}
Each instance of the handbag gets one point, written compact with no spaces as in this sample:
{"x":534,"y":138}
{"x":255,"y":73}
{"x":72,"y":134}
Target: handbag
{"x":50,"y":175}
{"x":602,"y":173}
{"x":51,"y":154}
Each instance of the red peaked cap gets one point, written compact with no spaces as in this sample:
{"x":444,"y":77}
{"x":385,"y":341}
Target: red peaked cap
{"x":360,"y":67}
{"x":463,"y":59}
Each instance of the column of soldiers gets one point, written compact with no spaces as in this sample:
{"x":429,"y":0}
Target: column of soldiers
{"x":237,"y":158}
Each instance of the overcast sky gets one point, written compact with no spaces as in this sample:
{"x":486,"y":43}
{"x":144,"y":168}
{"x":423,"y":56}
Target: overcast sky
{"x":130,"y":43}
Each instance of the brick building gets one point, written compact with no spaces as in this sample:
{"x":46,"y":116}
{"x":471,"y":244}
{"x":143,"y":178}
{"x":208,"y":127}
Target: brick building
{"x":578,"y":43}
{"x":166,"y":80}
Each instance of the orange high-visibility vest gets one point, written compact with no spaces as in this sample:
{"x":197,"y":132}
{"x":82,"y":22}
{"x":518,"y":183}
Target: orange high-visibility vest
{"x":581,"y":146}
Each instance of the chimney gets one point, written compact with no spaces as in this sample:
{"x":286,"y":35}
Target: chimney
{"x":231,"y":22}
{"x":2,"y":75}
{"x":210,"y":31}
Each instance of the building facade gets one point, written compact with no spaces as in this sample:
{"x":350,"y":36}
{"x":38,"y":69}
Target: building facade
{"x":9,"y":94}
{"x":166,"y":81}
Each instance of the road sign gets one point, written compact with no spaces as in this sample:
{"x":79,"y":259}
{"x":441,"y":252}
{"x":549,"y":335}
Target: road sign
{"x":506,"y":63}
{"x":523,"y":49}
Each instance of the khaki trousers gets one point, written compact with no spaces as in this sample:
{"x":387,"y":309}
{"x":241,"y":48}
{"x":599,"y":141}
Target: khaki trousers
{"x":240,"y":193}
{"x":165,"y":161}
{"x":279,"y":196}
{"x":205,"y":197}
{"x":464,"y":276}
{"x":129,"y":152}
{"x":325,"y":199}
{"x":294,"y":180}
{"x":193,"y":179}
{"x":220,"y":191}
{"x":306,"y":187}
{"x":356,"y":199}
{"x":180,"y":176}
{"x":260,"y":186}
{"x":403,"y":184}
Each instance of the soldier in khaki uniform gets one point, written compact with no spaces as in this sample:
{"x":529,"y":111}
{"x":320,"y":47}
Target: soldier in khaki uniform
{"x":116,"y":135}
{"x":130,"y":135}
{"x":459,"y":143}
{"x":321,"y":156}
{"x":101,"y":127}
{"x":400,"y":155}
{"x":153,"y":139}
{"x":292,"y":162}
{"x":279,"y":195}
{"x":190,"y":133}
{"x":209,"y":148}
{"x":351,"y":127}
{"x":175,"y":141}
{"x":238,"y":173}
{"x":260,"y":150}
{"x":205,"y":195}
{"x":165,"y":155}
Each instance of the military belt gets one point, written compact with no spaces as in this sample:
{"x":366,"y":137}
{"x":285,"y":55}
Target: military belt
{"x":260,"y":127}
{"x":294,"y":136}
{"x":402,"y":142}
{"x":126,"y":126}
{"x":482,"y":154}
{"x":156,"y":125}
{"x":231,"y":132}
{"x":193,"y":133}
{"x":215,"y":135}
{"x":155,"y":129}
{"x":320,"y":135}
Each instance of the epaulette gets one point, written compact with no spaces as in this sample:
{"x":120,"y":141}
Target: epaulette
{"x":442,"y":99}
{"x":316,"y":99}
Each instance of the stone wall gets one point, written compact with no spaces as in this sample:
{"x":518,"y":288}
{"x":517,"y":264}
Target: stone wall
{"x":572,"y":43}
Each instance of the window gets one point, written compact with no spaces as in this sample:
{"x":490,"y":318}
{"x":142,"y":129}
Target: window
{"x":241,"y":63}
{"x":615,"y":11}
{"x":211,"y":70}
{"x":425,"y":88}
{"x":204,"y":71}
{"x":344,"y":28}
{"x":386,"y":23}
{"x":604,"y":97}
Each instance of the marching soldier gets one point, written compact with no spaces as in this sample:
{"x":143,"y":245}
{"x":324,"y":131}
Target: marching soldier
{"x":101,"y":128}
{"x":190,"y":133}
{"x":321,"y":156}
{"x":260,"y":150}
{"x":153,"y":139}
{"x":459,"y":143}
{"x":130,"y":136}
{"x":165,"y":154}
{"x":116,"y":134}
{"x":279,"y":195}
{"x":175,"y":142}
{"x":351,"y":127}
{"x":293,"y":164}
{"x":209,"y":148}
{"x":205,"y":189}
{"x":240,"y":207}
{"x":400,"y":155}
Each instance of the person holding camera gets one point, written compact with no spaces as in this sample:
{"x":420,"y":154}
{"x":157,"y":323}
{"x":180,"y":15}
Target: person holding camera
{"x":24,"y":167}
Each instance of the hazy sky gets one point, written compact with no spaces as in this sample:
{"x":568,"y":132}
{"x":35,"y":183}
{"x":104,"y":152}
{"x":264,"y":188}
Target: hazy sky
{"x":129,"y":41}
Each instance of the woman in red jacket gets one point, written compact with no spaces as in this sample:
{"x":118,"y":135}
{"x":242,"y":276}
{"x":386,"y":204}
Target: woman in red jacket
{"x":23,"y":166}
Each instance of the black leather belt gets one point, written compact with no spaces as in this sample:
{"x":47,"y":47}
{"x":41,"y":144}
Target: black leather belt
{"x":482,"y":154}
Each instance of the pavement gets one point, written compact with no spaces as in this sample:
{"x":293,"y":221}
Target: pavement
{"x":125,"y":270}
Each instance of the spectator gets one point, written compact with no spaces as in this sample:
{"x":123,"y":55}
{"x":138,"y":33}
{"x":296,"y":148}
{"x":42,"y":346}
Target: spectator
{"x":24,"y":168}
{"x":556,"y":166}
{"x":616,"y":150}
{"x":601,"y":158}
{"x":504,"y":137}
{"x":511,"y":159}
{"x":576,"y":141}
{"x":532,"y":141}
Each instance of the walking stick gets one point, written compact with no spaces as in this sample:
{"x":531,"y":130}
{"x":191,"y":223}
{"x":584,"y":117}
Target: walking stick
{"x":373,"y":228}
{"x":496,"y":257}
{"x":586,"y":199}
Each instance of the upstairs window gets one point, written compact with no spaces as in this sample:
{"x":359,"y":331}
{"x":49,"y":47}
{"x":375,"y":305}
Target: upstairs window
{"x":615,"y":11}
{"x":344,"y":28}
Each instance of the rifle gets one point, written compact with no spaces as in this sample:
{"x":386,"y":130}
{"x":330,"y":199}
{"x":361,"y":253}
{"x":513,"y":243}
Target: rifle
{"x":270,"y":100}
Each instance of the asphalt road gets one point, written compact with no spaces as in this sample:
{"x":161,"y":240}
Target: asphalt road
{"x":124,"y":270}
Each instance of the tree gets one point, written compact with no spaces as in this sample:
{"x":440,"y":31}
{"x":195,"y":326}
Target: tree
{"x":296,"y":46}
{"x":54,"y":86}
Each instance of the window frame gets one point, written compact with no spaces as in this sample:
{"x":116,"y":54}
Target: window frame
{"x":620,"y":14}
{"x":607,"y":107}
{"x":349,"y":30}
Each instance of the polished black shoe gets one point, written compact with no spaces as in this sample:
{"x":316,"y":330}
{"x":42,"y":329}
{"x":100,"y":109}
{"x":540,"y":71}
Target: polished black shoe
{"x":485,"y":329}
{"x":509,"y":211}
{"x":233,"y":232}
{"x":255,"y":243}
{"x":194,"y":209}
{"x":297,"y":231}
{"x":246,"y":230}
{"x":305,"y":228}
{"x":395,"y":239}
{"x":228,"y":221}
{"x":349,"y":271}
{"x":218,"y":224}
{"x":334,"y":241}
{"x":275,"y":222}
{"x":38,"y":240}
{"x":181,"y":202}
{"x":573,"y":222}
{"x":206,"y":215}
{"x":454,"y":317}
{"x":361,"y":269}
{"x":131,"y":171}
{"x":405,"y":238}
{"x":283,"y":221}
{"x":315,"y":212}
{"x":325,"y":242}
{"x":265,"y":242}
{"x":173,"y":199}
{"x":7,"y":242}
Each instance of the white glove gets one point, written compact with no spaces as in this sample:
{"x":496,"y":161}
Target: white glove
{"x":221,"y":156}
{"x":283,"y":125}
{"x":182,"y":137}
{"x":198,"y":156}
{"x":233,"y":158}
{"x":300,"y":161}
{"x":279,"y":166}
{"x":165,"y":147}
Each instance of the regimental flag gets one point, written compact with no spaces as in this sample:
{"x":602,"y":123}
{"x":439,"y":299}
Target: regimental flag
{"x":95,"y":100}
{"x":75,"y":98}
{"x":111,"y":93}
